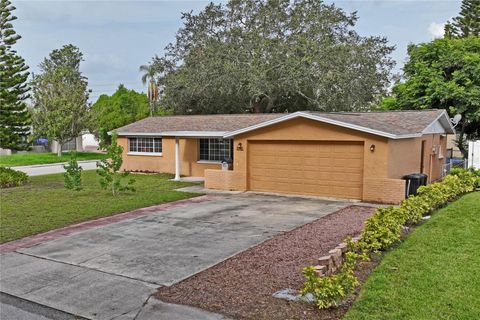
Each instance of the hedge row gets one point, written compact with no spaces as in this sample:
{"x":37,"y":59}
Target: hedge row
{"x":11,"y":178}
{"x":384,"y":229}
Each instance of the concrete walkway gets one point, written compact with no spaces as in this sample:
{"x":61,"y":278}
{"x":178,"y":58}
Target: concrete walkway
{"x":14,"y":308}
{"x":111,"y":271}
{"x":43,"y":169}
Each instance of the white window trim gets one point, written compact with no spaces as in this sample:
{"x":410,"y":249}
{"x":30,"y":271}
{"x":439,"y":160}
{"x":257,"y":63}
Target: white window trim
{"x":152,"y":154}
{"x":136,"y":153}
{"x":209,"y":162}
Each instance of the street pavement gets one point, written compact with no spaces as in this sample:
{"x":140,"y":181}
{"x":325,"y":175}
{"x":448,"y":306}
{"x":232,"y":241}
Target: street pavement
{"x":43,"y":169}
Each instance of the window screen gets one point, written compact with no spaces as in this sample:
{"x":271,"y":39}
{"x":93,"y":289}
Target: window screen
{"x":153,"y":145}
{"x":216,"y":149}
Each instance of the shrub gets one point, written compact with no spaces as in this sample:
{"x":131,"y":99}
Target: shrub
{"x":108,"y":170}
{"x":384,"y":229}
{"x":463,"y":174}
{"x":11,"y":178}
{"x":330,"y":290}
{"x":73,"y":174}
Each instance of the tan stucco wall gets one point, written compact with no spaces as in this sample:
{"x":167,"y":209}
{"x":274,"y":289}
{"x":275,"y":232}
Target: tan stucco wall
{"x":375,"y":164}
{"x":309,"y":130}
{"x":438,"y":159}
{"x":225,"y":179}
{"x":384,"y":190}
{"x":189,"y":165}
{"x":383,"y":169}
{"x":405,"y":156}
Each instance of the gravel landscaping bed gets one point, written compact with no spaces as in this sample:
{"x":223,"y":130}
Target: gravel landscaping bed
{"x":241,"y":287}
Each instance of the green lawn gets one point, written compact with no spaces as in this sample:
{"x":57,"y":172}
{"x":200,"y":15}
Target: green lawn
{"x":434,"y":274}
{"x":26,"y":159}
{"x":43,"y":203}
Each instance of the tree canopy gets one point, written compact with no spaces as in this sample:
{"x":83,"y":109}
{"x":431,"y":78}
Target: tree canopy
{"x":123,"y":107}
{"x":467,"y":23}
{"x":60,"y":96}
{"x":14,"y":116}
{"x":272,"y":56}
{"x":443,"y":74}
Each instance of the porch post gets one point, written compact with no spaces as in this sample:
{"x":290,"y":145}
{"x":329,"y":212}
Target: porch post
{"x":177,"y":159}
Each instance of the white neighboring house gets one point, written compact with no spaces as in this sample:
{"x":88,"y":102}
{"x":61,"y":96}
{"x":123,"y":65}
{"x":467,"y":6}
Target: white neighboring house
{"x":84,"y":142}
{"x":89,"y":142}
{"x":474,"y":154}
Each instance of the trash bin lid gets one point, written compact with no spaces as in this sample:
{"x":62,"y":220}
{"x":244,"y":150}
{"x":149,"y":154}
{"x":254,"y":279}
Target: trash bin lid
{"x":414,"y":176}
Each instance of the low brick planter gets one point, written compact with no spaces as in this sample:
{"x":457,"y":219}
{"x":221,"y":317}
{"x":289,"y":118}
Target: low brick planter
{"x":331,"y":262}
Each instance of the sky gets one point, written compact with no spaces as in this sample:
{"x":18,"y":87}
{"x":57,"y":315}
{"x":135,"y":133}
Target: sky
{"x":117,"y":37}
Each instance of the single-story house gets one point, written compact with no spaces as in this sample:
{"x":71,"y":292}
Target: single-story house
{"x":356,"y":155}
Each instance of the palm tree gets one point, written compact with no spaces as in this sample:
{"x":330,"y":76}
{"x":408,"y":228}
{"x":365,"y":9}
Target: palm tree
{"x":149,"y":73}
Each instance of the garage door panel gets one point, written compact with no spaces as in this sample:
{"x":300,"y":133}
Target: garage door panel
{"x":333,"y":169}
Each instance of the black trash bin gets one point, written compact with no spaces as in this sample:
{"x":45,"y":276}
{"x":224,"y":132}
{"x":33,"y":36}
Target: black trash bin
{"x":414,"y":181}
{"x":423,"y":180}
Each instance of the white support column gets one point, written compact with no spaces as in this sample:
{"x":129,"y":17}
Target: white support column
{"x":177,"y":159}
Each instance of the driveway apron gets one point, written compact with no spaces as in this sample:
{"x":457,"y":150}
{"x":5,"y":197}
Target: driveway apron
{"x":110,"y":271}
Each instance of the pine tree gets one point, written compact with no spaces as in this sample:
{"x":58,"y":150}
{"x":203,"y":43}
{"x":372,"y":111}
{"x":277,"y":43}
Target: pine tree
{"x":14,"y":116}
{"x":467,"y":23}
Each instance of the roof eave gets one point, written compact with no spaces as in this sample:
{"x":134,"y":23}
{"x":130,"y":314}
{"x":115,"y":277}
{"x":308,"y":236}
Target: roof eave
{"x":444,"y":120}
{"x":181,"y":134}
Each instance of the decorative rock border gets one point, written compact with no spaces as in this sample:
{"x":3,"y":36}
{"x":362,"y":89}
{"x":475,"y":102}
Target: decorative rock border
{"x":330,"y":263}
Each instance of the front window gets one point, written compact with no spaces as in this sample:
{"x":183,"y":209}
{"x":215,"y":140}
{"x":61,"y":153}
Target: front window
{"x":216,"y":149}
{"x":147,"y":145}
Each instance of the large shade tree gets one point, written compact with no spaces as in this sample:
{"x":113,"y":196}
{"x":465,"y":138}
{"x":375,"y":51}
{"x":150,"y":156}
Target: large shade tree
{"x":443,"y":74}
{"x":60,"y":96}
{"x":121,"y":108}
{"x":272,"y":56}
{"x":14,"y":116}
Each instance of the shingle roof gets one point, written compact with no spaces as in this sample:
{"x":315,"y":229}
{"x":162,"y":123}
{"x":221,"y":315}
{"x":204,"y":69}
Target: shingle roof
{"x":394,"y":122}
{"x":389,"y":124}
{"x":198,"y":123}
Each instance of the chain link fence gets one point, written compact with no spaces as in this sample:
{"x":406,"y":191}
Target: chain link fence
{"x":462,"y":164}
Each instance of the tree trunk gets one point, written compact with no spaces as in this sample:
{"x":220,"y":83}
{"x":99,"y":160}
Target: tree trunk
{"x":59,"y":148}
{"x":461,"y":143}
{"x":257,"y":107}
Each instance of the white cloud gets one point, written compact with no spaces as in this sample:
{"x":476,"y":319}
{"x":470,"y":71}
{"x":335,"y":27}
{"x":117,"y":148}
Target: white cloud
{"x":436,"y":30}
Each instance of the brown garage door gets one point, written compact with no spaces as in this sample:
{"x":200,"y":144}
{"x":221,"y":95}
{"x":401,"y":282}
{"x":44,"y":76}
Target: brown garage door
{"x":330,"y":169}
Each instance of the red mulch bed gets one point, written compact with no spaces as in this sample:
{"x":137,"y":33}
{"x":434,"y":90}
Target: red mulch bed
{"x":241,"y":287}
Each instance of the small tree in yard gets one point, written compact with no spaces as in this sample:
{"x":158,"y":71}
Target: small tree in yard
{"x":108,"y":170}
{"x":73,"y":174}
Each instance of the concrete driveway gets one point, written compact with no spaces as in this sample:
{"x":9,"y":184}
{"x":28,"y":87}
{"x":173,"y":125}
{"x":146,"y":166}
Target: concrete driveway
{"x":109,"y":272}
